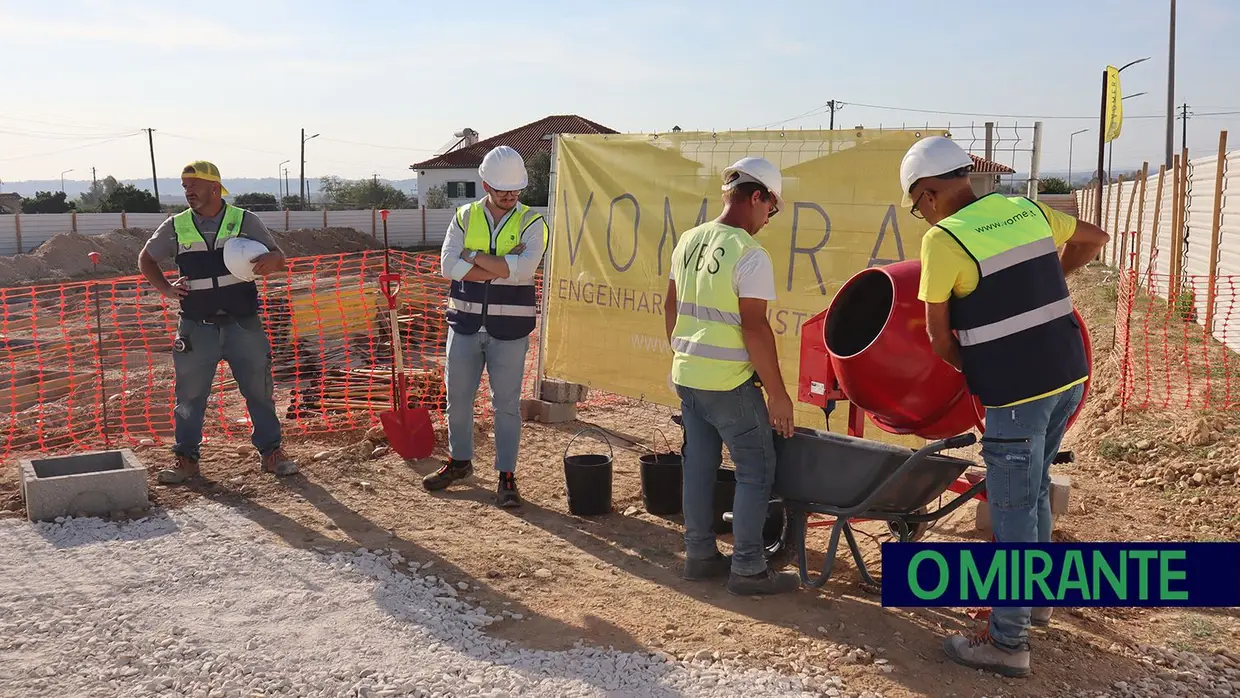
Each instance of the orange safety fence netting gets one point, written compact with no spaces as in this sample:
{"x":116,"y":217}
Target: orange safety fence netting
{"x":1177,"y":352}
{"x":329,"y":328}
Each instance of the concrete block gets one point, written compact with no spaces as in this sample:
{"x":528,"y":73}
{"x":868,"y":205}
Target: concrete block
{"x":96,"y":483}
{"x":1061,"y":487}
{"x":563,"y":391}
{"x":983,"y":517}
{"x":548,"y":412}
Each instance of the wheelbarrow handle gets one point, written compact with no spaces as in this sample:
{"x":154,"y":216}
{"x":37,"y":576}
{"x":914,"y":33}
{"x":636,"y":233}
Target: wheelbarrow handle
{"x":389,"y":284}
{"x":959,"y":441}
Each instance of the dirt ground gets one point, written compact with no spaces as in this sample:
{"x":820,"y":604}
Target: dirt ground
{"x":614,"y":580}
{"x":64,"y":256}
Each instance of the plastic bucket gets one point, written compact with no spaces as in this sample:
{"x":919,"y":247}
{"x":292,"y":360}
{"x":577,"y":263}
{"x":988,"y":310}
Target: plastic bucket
{"x":587,"y":479}
{"x":662,"y":478}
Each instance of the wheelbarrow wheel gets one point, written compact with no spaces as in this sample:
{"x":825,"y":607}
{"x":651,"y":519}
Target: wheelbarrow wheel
{"x":916,"y":531}
{"x":775,"y":536}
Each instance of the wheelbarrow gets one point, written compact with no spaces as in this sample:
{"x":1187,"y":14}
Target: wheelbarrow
{"x":852,"y":479}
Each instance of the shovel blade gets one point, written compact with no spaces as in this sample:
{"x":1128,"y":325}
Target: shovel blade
{"x":410,"y":432}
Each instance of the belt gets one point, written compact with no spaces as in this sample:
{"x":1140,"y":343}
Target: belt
{"x":218,"y":320}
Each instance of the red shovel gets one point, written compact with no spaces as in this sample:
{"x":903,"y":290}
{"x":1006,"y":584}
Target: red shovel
{"x":408,"y":429}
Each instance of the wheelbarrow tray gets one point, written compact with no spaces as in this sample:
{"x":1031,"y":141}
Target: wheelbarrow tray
{"x":840,"y":472}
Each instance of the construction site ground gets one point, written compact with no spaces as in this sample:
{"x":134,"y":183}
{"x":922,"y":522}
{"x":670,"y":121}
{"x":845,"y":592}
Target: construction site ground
{"x":614,"y":580}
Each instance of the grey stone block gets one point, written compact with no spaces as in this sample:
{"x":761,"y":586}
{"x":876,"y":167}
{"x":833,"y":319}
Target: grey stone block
{"x":548,"y":412}
{"x":96,"y":483}
{"x":563,"y":391}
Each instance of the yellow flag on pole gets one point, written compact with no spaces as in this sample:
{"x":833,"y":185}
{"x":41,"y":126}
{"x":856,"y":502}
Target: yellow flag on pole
{"x":1115,"y":105}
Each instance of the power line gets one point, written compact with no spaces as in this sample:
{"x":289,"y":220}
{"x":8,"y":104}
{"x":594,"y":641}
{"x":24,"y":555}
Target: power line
{"x":66,"y":150}
{"x":375,"y":145}
{"x":834,"y":105}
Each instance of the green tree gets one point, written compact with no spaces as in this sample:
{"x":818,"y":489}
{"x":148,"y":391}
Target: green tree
{"x":47,"y":202}
{"x":437,"y":197}
{"x":291,"y":202}
{"x":537,"y":191}
{"x":257,"y":201}
{"x":1054,"y":185}
{"x":130,"y":199}
{"x":99,"y":190}
{"x":362,"y":193}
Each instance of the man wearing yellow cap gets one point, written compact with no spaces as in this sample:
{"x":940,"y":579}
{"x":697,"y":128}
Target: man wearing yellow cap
{"x":218,"y":320}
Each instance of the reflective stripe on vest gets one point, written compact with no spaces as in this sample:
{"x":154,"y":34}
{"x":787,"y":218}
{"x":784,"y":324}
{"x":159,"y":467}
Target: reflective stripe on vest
{"x":707,"y":341}
{"x":1018,"y":336}
{"x":506,"y":311}
{"x":220,"y":281}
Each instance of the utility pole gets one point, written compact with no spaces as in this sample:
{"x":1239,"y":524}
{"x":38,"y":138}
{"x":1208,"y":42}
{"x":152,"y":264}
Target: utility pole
{"x":1184,"y":117}
{"x":301,"y":188}
{"x":150,"y":139}
{"x":94,"y":181}
{"x":834,"y":106}
{"x":1171,"y":89}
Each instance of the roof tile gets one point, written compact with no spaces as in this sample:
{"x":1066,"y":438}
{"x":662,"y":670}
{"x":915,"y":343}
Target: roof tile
{"x":526,"y":140}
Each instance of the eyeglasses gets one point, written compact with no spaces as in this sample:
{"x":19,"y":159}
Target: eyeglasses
{"x":918,"y":214}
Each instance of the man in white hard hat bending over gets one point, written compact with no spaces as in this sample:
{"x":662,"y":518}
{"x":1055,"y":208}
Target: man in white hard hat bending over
{"x":998,"y":309}
{"x":219,"y":317}
{"x":724,"y":355}
{"x":491,"y":253}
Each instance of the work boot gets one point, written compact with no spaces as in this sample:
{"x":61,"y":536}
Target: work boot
{"x":279,"y":464}
{"x":506,"y":494}
{"x":765,"y":582}
{"x":979,"y":651}
{"x":186,"y":469}
{"x":1041,"y":615}
{"x":451,"y":471}
{"x":710,"y":568}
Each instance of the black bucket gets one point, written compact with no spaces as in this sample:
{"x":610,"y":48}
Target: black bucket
{"x":662,"y":481}
{"x":587,"y":479}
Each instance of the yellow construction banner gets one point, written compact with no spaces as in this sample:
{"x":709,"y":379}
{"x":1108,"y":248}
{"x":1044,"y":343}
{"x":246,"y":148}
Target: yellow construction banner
{"x":622,"y":201}
{"x":1115,"y":106}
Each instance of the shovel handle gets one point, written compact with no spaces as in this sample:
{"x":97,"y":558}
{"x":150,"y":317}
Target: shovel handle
{"x":389,"y":284}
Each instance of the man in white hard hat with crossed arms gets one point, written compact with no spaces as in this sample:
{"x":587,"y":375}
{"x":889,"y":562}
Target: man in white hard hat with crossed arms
{"x":491,"y":252}
{"x":998,"y":309}
{"x":724,"y":356}
{"x":219,"y":318}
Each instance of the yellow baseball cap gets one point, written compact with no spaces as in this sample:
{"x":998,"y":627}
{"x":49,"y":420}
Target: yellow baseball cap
{"x":201,"y":169}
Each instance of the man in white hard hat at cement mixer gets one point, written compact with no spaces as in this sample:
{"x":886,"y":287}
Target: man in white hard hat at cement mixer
{"x":998,"y":309}
{"x":491,"y":252}
{"x":724,"y":356}
{"x":214,"y":246}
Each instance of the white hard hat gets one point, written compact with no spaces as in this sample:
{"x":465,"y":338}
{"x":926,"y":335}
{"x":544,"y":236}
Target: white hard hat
{"x":930,"y":157}
{"x":503,"y":168}
{"x":239,"y":254}
{"x":758,"y":170}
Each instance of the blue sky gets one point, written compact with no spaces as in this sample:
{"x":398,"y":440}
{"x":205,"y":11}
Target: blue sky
{"x":233,"y":82}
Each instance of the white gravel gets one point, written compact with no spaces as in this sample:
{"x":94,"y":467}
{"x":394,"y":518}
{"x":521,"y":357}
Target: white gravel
{"x":203,"y":602}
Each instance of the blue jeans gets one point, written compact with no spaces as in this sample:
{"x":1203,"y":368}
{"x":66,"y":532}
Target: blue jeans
{"x":504,"y":361}
{"x":737,"y":417}
{"x":1019,"y":444}
{"x":244,"y":345}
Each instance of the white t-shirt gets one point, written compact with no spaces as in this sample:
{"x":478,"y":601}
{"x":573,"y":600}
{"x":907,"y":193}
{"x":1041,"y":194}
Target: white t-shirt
{"x":752,"y":277}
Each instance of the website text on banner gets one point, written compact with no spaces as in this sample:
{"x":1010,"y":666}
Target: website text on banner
{"x":621,"y":203}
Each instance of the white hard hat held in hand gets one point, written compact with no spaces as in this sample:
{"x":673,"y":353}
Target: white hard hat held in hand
{"x":758,"y":170}
{"x":930,"y":157}
{"x":503,"y":169}
{"x":239,"y":256}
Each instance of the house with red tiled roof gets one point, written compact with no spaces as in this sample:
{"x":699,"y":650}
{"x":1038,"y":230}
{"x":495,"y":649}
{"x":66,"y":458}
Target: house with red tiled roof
{"x":457,"y":169}
{"x":986,"y":173}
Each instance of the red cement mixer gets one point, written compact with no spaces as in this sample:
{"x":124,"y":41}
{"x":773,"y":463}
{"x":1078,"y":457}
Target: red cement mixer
{"x":870,"y":348}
